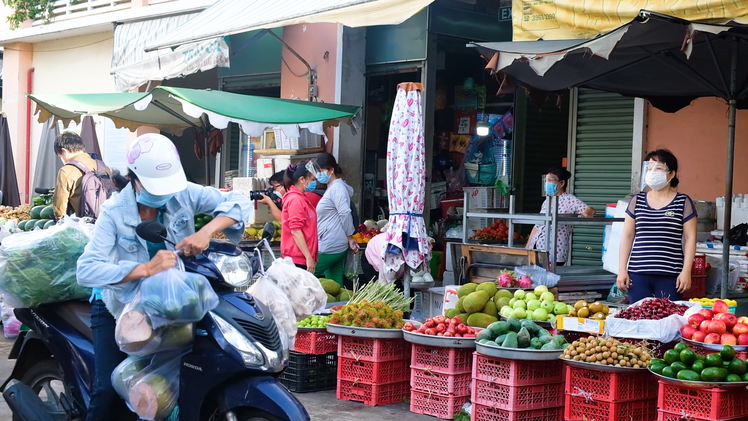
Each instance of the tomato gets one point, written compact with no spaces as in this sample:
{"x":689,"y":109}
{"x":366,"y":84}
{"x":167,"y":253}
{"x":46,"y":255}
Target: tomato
{"x":422,"y":329}
{"x":457,"y":335}
{"x":431,"y":332}
{"x":469,"y":335}
{"x":449,"y":334}
{"x":439,"y":319}
{"x":458,"y":319}
{"x":409,"y":326}
{"x":461,"y":328}
{"x":429,"y":322}
{"x":441,"y":327}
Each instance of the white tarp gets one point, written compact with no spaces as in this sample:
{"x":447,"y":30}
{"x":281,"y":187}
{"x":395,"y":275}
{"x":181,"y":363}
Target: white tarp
{"x":132,"y":66}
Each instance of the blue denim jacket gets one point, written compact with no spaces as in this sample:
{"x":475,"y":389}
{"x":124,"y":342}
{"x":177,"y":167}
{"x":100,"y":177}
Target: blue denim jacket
{"x":115,"y":249}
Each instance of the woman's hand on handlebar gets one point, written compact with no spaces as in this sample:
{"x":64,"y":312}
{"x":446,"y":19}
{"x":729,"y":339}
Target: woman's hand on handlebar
{"x":195,"y":243}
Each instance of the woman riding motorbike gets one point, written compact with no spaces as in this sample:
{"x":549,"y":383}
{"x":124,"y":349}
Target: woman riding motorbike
{"x":116,"y":256}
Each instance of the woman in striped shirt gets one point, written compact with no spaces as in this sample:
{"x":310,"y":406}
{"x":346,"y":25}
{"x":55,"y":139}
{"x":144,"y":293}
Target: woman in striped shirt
{"x":659,"y":235}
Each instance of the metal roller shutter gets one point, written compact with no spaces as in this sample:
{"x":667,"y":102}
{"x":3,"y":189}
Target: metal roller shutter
{"x":601,"y":156}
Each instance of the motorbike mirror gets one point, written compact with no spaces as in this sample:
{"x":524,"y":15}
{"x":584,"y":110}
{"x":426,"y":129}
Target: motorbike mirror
{"x":40,"y":190}
{"x":152,"y":231}
{"x":268,"y":231}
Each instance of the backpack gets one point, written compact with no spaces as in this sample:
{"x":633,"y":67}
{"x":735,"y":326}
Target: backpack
{"x":96,"y":187}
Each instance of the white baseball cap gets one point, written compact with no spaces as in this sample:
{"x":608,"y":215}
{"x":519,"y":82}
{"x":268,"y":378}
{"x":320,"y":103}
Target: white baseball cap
{"x":155,"y":160}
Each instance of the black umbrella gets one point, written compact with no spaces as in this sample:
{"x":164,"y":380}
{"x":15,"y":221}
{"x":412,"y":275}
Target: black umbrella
{"x":88,"y":134}
{"x":8,"y":180}
{"x":47,"y":162}
{"x":667,"y":60}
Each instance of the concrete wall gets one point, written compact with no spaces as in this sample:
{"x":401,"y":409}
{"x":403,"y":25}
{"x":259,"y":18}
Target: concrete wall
{"x":17,"y":60}
{"x":71,"y":65}
{"x":352,"y":91}
{"x":697,"y":135}
{"x":317,"y":43}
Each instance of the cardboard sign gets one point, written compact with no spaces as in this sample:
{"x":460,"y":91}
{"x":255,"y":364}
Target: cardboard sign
{"x":578,"y":324}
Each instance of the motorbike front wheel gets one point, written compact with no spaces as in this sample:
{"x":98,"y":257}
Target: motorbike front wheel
{"x":45,"y":378}
{"x":255,"y":415}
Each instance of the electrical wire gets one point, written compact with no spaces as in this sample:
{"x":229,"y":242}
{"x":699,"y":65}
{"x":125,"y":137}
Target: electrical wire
{"x":61,"y":49}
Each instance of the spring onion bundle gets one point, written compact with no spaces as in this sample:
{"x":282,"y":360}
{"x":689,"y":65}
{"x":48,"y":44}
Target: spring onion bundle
{"x":378,"y":291}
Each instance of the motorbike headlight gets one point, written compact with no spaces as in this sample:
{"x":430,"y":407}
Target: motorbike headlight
{"x":251,"y":355}
{"x":236,"y":270}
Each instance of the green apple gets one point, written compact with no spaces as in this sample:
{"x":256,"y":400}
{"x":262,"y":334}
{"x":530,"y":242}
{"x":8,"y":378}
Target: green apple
{"x":505,"y":293}
{"x":540,"y":289}
{"x":519,"y":294}
{"x":551,"y":317}
{"x":529,"y":316}
{"x":519,"y":313}
{"x":560,"y":308}
{"x":520,"y":304}
{"x":530,"y":296}
{"x":533,"y":305}
{"x":512,"y":301}
{"x":569,"y":308}
{"x":547,"y":306}
{"x":506,"y":311}
{"x":540,"y":314}
{"x":503,"y":302}
{"x":547,"y":296}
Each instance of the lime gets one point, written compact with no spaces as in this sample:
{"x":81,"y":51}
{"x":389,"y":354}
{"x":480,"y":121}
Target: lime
{"x":671,"y":356}
{"x":727,"y":353}
{"x":680,"y":347}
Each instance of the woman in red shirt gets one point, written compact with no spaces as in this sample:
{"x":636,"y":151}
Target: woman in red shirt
{"x":299,"y":223}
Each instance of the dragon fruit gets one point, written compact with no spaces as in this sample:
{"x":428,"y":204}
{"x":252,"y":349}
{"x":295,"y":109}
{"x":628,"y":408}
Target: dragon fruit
{"x":505,"y":280}
{"x":525,"y":282}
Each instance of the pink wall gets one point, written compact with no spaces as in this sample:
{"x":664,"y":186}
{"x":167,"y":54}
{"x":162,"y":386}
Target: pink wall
{"x":17,"y":62}
{"x":697,"y":135}
{"x":317,"y":43}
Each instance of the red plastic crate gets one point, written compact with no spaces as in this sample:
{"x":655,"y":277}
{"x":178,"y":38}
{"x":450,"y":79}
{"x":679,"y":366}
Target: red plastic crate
{"x":698,"y":287}
{"x":578,"y":408}
{"x":372,"y":394}
{"x":315,"y":342}
{"x":439,"y":383}
{"x":713,"y":404}
{"x":374,"y":350}
{"x":486,"y":413}
{"x":373,"y":373}
{"x":668,"y":416}
{"x":444,"y":407}
{"x":516,"y":372}
{"x":699,"y":265}
{"x":610,"y":387}
{"x":441,"y":360}
{"x":518,"y":398}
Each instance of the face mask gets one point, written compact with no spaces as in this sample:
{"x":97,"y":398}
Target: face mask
{"x":323,"y":177}
{"x":656,"y":180}
{"x":312,"y":186}
{"x":151,"y":200}
{"x":551,"y":188}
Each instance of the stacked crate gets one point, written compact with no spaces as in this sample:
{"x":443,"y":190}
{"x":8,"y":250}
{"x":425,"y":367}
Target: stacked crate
{"x":313,"y":363}
{"x":515,"y":390}
{"x":609,"y":396}
{"x":676,"y":402}
{"x":373,"y":371}
{"x":439,"y":380}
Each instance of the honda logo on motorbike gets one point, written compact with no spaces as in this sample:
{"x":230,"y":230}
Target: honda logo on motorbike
{"x":194,"y":367}
{"x":259,"y":316}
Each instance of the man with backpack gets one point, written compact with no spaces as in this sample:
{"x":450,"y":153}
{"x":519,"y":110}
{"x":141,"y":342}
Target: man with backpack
{"x":83,"y":183}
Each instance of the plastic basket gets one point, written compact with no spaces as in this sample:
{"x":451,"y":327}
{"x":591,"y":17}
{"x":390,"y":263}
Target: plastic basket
{"x":713,"y":404}
{"x":730,"y":309}
{"x":518,"y":398}
{"x":310,"y":373}
{"x":373,"y":373}
{"x":668,"y":416}
{"x":441,"y":360}
{"x":372,"y":394}
{"x":313,"y":342}
{"x":444,"y":407}
{"x":698,"y":287}
{"x":580,"y":408}
{"x":486,"y":413}
{"x":438,"y":383}
{"x":516,"y":372}
{"x":699,"y":265}
{"x":374,"y":350}
{"x":610,"y":387}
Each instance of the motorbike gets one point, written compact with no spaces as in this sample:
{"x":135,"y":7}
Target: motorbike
{"x":229,"y":374}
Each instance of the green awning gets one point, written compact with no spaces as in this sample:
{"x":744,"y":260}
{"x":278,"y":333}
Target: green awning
{"x":175,"y":109}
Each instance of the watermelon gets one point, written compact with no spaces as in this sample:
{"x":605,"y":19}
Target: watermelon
{"x":47,"y":213}
{"x":30,"y":224}
{"x":49,"y":224}
{"x":36,"y":212}
{"x":40,"y":224}
{"x":21,"y":225}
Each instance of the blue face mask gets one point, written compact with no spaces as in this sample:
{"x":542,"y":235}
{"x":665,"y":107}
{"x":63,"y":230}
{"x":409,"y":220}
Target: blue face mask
{"x":551,"y":188}
{"x":323,"y":177}
{"x":151,"y":200}
{"x":312,"y":186}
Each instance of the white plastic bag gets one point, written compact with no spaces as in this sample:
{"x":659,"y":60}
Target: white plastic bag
{"x":175,"y":297}
{"x":268,"y":293}
{"x":39,"y":267}
{"x":153,"y":392}
{"x":123,"y":375}
{"x":663,"y":330}
{"x":302,"y":288}
{"x":135,"y":335}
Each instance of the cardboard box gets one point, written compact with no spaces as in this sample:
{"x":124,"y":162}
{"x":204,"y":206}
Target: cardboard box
{"x":578,"y":324}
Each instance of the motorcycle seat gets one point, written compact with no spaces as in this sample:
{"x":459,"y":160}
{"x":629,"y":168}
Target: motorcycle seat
{"x":77,"y":314}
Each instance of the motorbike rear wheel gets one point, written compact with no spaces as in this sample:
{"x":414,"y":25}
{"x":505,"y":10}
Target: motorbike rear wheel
{"x":255,"y":415}
{"x":45,"y":378}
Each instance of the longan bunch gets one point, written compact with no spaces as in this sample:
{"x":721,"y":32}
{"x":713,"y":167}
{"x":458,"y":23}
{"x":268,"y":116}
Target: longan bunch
{"x":608,"y":351}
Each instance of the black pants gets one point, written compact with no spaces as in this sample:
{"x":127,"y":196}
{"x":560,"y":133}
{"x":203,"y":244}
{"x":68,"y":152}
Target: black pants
{"x":105,"y":404}
{"x":300,"y":266}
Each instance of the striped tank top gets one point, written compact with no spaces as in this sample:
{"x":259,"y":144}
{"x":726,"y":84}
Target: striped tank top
{"x":658,"y":241}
